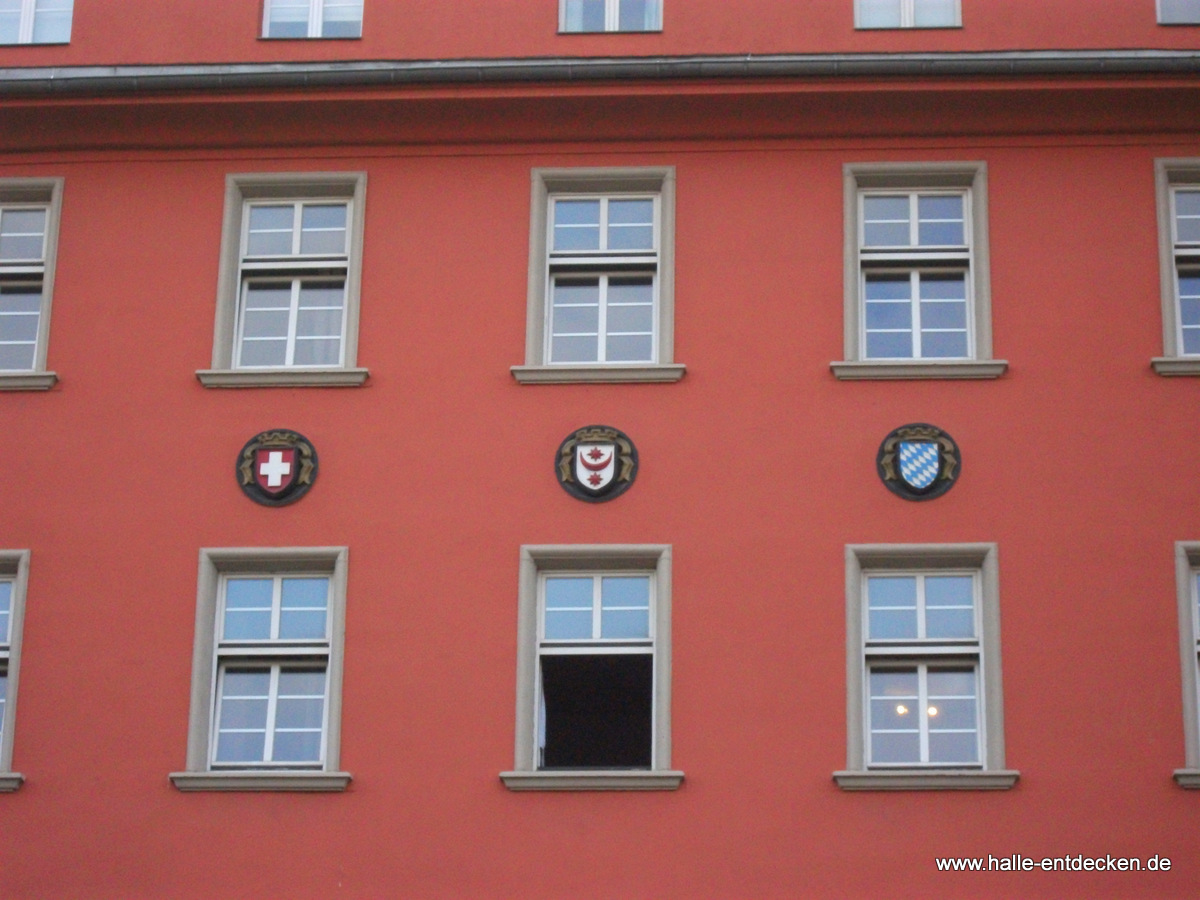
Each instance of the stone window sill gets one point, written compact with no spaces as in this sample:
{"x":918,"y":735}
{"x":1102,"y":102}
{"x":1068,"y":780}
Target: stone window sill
{"x":260,"y":781}
{"x":927,"y":780}
{"x":664,"y":780}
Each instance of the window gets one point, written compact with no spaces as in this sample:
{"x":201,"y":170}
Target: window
{"x":917,"y":297}
{"x":35,"y":21}
{"x":312,"y":18}
{"x":610,"y":15}
{"x":1178,"y":192}
{"x":1187,"y":582}
{"x":267,"y":671}
{"x":29,"y":212}
{"x":288,"y":292}
{"x":907,"y":14}
{"x":601,"y":277}
{"x":594,"y":669}
{"x":14,"y":568}
{"x":1179,"y":12}
{"x":923,"y":677}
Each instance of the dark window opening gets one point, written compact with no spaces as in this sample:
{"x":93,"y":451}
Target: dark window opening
{"x":598,"y":711}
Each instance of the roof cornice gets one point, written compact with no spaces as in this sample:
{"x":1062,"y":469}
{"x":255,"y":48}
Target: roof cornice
{"x":143,"y":79}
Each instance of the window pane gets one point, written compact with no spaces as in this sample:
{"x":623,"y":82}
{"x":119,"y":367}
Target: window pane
{"x":241,"y":746}
{"x":942,"y":314}
{"x":631,"y":224}
{"x":637,"y":319}
{"x":584,"y":15}
{"x":625,"y":607}
{"x":943,"y":345}
{"x":317,"y":352}
{"x":247,"y":609}
{"x":568,"y":608}
{"x":10,"y":21}
{"x":1187,"y":216}
{"x":20,"y":327}
{"x":934,"y":13}
{"x":949,"y":606}
{"x":52,"y":22}
{"x":574,"y":349}
{"x":883,"y":345}
{"x":1179,"y":12}
{"x":270,"y":230}
{"x":323,"y":228}
{"x":288,"y":19}
{"x":639,"y":15}
{"x":940,"y":221}
{"x":952,"y":716}
{"x":886,"y":221}
{"x":889,"y":316}
{"x":576,"y":319}
{"x":576,"y":225}
{"x":879,"y":13}
{"x":342,"y":19}
{"x":894,"y":726}
{"x":5,"y":610}
{"x":22,"y":233}
{"x":598,"y":710}
{"x":319,"y":323}
{"x":303,"y":605}
{"x":628,"y":348}
{"x":16,"y":357}
{"x":891,"y":607}
{"x":889,"y":287}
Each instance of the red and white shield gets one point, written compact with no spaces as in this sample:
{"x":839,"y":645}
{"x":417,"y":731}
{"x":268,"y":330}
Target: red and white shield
{"x":595,"y":465}
{"x":275,"y":470}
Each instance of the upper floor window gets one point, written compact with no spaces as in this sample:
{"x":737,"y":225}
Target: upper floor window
{"x":313,"y":18}
{"x":35,"y":21}
{"x":610,"y":15}
{"x":1178,"y":190}
{"x":287,"y":310}
{"x":601,"y":276}
{"x":907,"y":13}
{"x":28,"y":238}
{"x":1179,"y":12}
{"x":1187,"y":584}
{"x":917,"y":296}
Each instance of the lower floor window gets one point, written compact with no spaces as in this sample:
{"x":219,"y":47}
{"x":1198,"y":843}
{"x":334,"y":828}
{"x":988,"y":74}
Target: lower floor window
{"x":296,"y":322}
{"x":924,"y":714}
{"x":272,"y":715}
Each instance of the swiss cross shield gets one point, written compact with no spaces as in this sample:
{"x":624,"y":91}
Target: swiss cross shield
{"x":596,"y":463}
{"x":918,"y":462}
{"x":277,"y":467}
{"x":275,"y":470}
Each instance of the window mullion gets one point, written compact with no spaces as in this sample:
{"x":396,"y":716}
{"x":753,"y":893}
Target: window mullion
{"x":914,"y":287}
{"x":597,"y":600}
{"x":314,"y":18}
{"x":602,"y":319}
{"x":25,"y":28}
{"x":612,"y":19}
{"x":276,"y":605}
{"x":923,"y":709}
{"x":272,"y":698}
{"x":293,"y":317}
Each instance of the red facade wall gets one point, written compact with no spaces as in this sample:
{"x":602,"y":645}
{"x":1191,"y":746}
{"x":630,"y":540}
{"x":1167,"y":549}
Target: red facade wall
{"x":758,"y":468}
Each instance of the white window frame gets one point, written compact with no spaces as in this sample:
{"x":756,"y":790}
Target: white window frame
{"x":612,"y":20}
{"x":908,"y":12}
{"x":1187,"y":573}
{"x":966,"y":178}
{"x":1191,"y":17}
{"x":34,"y":193}
{"x":211,"y":655}
{"x":28,"y":23}
{"x":549,"y":185}
{"x":14,"y":569}
{"x":316,"y":22}
{"x":241,"y":193}
{"x":538,"y":561}
{"x":1171,"y":176}
{"x":981,"y":652}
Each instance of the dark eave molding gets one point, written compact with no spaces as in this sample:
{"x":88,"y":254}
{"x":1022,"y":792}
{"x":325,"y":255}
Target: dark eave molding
{"x":134,"y":80}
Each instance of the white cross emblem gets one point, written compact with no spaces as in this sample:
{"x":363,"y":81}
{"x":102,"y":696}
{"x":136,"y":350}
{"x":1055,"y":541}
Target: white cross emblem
{"x":274,"y":469}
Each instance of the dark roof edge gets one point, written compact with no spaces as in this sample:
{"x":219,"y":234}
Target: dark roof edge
{"x":68,"y":80}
